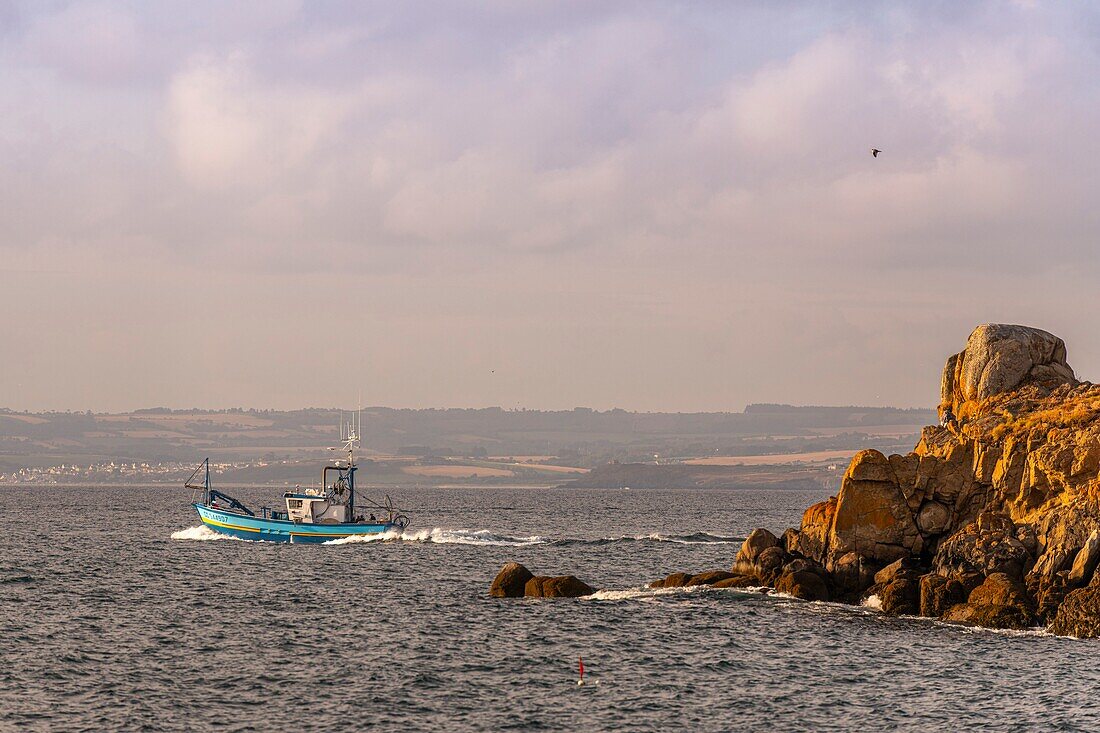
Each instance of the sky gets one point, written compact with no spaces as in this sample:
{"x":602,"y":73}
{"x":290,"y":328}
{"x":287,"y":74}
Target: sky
{"x":649,"y":205}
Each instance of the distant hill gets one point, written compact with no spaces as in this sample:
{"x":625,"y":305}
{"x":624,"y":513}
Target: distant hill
{"x":580,"y":437}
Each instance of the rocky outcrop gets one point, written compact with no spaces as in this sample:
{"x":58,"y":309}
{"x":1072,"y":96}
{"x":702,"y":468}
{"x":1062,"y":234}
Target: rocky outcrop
{"x":996,"y":510}
{"x":900,"y":597}
{"x":510,"y":581}
{"x":1048,"y":591}
{"x":817,"y":521}
{"x":897,"y":587}
{"x":990,"y":617}
{"x":993,"y":519}
{"x":770,"y":563}
{"x":1000,"y":358}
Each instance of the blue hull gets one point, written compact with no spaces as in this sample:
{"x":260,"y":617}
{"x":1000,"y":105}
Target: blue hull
{"x":281,"y":530}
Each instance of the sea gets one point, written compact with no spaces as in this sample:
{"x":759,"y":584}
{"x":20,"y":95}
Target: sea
{"x":120,"y":613}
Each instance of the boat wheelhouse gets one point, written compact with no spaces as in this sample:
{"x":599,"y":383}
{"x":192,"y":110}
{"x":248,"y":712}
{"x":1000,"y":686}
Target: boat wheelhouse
{"x":320,"y":514}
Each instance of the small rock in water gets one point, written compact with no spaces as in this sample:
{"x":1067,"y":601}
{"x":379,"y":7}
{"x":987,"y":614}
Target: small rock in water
{"x":739,"y":581}
{"x":561,"y":586}
{"x":709,"y":578}
{"x":510,"y":581}
{"x":676,"y":580}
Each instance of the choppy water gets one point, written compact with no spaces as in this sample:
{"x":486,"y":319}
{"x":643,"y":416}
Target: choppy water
{"x":117,"y":614}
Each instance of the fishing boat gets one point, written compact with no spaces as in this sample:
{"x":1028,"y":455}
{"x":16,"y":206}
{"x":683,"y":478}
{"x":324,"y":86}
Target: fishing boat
{"x":315,"y":514}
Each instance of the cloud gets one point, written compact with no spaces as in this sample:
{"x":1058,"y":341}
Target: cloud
{"x":227,"y":132}
{"x":581,"y":181}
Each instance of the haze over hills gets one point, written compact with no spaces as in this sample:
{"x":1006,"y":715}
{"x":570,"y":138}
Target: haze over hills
{"x":444,"y":445}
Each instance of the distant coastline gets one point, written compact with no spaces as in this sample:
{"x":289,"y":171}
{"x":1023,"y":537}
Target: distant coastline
{"x":770,"y":446}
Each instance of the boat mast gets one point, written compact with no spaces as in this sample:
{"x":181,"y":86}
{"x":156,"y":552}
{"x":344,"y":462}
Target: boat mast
{"x":350,"y":445}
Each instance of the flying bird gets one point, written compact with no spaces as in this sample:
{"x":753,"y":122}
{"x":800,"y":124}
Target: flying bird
{"x":875,"y":152}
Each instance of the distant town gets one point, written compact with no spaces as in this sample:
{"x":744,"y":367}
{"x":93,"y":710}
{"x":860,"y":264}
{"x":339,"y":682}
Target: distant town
{"x":111,"y":472}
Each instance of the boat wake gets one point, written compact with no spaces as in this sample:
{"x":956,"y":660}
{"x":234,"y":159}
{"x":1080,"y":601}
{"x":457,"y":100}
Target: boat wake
{"x":202,"y":533}
{"x":481,"y":537}
{"x":440,"y":536}
{"x":484,"y":537}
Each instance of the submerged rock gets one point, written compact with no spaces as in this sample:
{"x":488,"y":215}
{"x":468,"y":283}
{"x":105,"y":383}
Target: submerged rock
{"x":516,"y":581}
{"x":510,"y":581}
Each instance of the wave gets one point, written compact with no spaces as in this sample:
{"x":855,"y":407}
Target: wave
{"x":202,"y":533}
{"x":697,"y":538}
{"x":442,"y":536}
{"x":630,"y":594}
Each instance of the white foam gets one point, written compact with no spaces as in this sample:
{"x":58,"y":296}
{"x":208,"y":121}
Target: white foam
{"x":630,"y":594}
{"x":968,"y":629}
{"x":658,"y":537}
{"x":872,"y":601}
{"x":202,"y":533}
{"x":440,"y":536}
